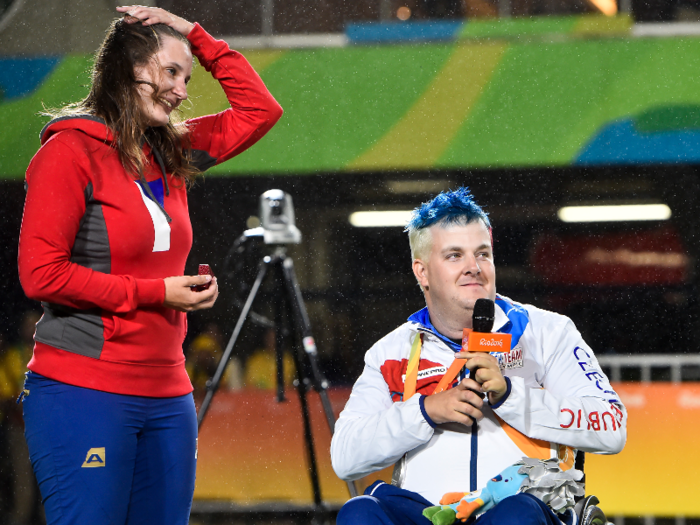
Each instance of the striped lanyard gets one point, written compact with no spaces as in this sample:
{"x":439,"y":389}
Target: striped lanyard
{"x":409,"y":386}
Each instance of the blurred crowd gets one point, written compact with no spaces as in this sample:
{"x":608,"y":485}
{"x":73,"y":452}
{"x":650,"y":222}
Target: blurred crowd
{"x":257,"y":369}
{"x":19,"y":495}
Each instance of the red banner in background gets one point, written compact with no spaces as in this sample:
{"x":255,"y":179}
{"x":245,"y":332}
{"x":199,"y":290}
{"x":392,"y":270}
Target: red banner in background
{"x":655,"y":257}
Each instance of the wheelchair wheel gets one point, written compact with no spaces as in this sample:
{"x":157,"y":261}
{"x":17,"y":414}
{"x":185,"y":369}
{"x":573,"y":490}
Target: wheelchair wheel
{"x":590,"y":513}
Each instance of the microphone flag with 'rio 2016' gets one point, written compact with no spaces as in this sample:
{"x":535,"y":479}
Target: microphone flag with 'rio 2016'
{"x":478,"y":339}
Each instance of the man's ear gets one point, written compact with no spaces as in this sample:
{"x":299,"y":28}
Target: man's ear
{"x":421,"y":272}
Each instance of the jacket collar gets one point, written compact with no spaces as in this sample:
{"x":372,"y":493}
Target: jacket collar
{"x":510,"y":318}
{"x":422,"y":319}
{"x":88,"y":124}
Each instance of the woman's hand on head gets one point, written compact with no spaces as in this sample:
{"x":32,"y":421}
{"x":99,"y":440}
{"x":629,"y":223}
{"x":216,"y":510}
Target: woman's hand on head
{"x":155,"y":15}
{"x":180,"y":296}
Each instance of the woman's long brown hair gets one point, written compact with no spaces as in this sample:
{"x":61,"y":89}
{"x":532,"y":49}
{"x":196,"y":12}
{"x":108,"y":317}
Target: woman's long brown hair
{"x":114,"y":96}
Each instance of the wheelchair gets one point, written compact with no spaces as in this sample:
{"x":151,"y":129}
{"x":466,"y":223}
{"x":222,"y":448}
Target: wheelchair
{"x":586,"y":508}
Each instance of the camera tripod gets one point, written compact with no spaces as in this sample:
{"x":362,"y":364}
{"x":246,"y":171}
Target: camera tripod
{"x":287,"y":289}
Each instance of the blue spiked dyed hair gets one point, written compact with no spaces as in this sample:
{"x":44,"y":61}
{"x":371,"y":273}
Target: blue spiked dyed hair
{"x":448,"y":208}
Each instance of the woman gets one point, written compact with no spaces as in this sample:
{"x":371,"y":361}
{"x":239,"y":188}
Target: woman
{"x":109,"y":416}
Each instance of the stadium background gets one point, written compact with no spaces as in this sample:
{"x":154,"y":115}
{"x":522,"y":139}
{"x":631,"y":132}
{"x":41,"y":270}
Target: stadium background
{"x":533,"y":113}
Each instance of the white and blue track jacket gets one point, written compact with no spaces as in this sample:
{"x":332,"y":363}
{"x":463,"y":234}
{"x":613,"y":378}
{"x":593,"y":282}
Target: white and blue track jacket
{"x":558,"y":401}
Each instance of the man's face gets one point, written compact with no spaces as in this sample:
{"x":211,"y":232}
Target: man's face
{"x":458,"y":271}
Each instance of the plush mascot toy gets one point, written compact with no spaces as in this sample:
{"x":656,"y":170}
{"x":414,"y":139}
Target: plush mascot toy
{"x":543,"y":479}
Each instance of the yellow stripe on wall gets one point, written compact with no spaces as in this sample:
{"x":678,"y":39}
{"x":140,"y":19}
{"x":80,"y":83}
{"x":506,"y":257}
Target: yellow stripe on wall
{"x":205,"y":94}
{"x":425,"y":132}
{"x":601,"y":25}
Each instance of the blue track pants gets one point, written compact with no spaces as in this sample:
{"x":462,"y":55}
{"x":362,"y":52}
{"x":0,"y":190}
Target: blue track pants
{"x":385,"y":504}
{"x":110,"y":459}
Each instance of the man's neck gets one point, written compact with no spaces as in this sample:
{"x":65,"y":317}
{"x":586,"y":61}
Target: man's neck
{"x":450,"y":328}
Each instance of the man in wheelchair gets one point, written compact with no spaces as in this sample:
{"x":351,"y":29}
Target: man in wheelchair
{"x":544,"y":397}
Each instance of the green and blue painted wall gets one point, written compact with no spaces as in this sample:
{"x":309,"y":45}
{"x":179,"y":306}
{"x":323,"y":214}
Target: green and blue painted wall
{"x":554,"y":92}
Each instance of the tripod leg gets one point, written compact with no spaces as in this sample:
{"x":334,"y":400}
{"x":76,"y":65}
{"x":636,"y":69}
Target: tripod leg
{"x":213,"y":383}
{"x":279,"y":350}
{"x":319,"y":382}
{"x":302,"y":318}
{"x":301,"y":386}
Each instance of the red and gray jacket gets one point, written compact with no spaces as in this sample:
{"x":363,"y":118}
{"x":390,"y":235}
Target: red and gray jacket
{"x":96,"y":242}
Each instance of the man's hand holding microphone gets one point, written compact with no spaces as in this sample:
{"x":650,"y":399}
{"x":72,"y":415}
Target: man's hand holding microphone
{"x":464,"y":403}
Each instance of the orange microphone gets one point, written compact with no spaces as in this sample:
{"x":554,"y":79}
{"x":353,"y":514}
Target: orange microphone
{"x":478,"y":339}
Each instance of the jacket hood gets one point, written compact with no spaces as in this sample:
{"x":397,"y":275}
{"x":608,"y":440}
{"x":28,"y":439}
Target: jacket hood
{"x":96,"y":128}
{"x":88,"y":124}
